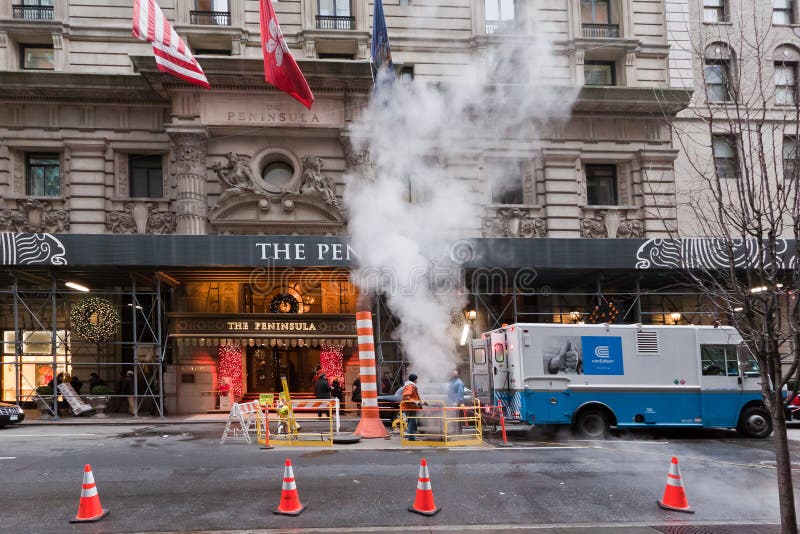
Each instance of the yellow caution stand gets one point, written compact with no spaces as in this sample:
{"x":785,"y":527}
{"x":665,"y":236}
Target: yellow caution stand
{"x":265,"y":400}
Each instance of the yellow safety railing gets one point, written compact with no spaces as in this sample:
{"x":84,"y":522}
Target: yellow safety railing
{"x":439,"y":425}
{"x":289,"y":431}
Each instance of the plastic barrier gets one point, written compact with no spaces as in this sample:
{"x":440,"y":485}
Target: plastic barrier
{"x":241,"y":421}
{"x":439,"y":425}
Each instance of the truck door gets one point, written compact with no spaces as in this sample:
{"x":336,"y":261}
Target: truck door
{"x":479,"y":369}
{"x":501,"y":379}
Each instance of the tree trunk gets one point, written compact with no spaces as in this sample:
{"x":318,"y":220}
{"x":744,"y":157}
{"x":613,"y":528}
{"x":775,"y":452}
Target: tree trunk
{"x":784,"y":467}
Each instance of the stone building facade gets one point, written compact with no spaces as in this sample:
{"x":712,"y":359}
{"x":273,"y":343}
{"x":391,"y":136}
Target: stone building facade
{"x":145,"y":183}
{"x":97,"y":105}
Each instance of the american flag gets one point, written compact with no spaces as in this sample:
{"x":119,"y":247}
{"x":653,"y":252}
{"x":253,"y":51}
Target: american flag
{"x":172,"y":55}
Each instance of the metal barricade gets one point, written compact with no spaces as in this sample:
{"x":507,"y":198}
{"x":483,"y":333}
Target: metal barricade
{"x":289,"y":432}
{"x":439,"y":425}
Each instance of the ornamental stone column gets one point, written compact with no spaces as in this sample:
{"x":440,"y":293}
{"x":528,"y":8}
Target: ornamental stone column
{"x":191,"y":200}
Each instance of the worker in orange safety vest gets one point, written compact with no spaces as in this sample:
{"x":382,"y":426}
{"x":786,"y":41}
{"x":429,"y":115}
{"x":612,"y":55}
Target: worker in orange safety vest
{"x":411,"y":404}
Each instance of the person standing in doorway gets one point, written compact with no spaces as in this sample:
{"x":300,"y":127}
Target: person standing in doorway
{"x":322,"y":390}
{"x":411,"y":404}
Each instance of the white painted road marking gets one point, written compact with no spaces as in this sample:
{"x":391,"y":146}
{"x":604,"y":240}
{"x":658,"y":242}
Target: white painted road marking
{"x":4,"y":435}
{"x":8,"y":457}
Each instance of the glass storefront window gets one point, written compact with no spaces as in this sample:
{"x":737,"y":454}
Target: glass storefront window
{"x":35,"y":366}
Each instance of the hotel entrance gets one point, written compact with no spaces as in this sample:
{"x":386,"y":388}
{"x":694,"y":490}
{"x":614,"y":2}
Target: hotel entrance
{"x":266,"y":364}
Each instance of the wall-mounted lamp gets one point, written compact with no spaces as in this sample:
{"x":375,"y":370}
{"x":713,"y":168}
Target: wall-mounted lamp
{"x":76,"y":286}
{"x":574,"y":316}
{"x":471,"y":315}
{"x":675,"y":316}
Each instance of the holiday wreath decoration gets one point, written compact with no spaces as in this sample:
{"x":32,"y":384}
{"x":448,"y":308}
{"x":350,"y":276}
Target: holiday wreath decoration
{"x":607,"y":312}
{"x":94,"y":319}
{"x":284,"y":303}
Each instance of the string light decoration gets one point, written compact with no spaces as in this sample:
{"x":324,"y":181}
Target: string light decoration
{"x":94,"y":319}
{"x":230,"y":366}
{"x":331,"y":361}
{"x":607,"y":312}
{"x":284,"y":303}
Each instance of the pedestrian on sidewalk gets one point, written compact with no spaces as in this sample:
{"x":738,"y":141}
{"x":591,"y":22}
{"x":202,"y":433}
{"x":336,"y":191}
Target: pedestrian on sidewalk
{"x":322,"y":390}
{"x":455,"y":397}
{"x":337,"y":392}
{"x":355,"y":393}
{"x":127,"y":389}
{"x":411,"y":404}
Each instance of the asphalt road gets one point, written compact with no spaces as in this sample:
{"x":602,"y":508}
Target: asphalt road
{"x":179,"y":478}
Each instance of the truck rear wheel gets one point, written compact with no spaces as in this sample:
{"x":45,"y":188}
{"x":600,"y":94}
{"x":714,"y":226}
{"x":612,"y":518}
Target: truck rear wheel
{"x":755,"y":422}
{"x":592,"y":423}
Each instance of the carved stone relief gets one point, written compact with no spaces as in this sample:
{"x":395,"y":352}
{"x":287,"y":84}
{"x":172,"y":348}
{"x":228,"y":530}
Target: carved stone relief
{"x":594,"y":228}
{"x":34,"y":216}
{"x":314,"y":180}
{"x":631,"y":229}
{"x":239,"y":179}
{"x":160,"y":222}
{"x":360,"y":164}
{"x":514,"y":222}
{"x":122,"y":222}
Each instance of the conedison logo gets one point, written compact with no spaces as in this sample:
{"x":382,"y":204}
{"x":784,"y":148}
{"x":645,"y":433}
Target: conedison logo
{"x":602,"y":351}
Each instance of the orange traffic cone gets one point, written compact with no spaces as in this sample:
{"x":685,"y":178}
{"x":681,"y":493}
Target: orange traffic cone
{"x":290,"y":500}
{"x":423,"y":503}
{"x":674,"y":496}
{"x":89,"y":508}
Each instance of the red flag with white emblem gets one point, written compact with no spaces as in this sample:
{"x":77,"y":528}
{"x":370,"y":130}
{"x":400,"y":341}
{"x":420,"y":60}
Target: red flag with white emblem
{"x":280,"y":68}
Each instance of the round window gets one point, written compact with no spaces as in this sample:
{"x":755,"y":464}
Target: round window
{"x":278,"y":173}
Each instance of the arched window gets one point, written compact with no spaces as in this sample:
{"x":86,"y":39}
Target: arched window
{"x":717,"y":73}
{"x":786,"y":58}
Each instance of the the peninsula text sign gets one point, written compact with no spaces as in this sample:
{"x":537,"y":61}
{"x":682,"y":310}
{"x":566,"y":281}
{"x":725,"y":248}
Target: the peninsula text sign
{"x":267,"y":325}
{"x":270,"y":110}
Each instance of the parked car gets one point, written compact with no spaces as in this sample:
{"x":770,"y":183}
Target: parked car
{"x":10,"y":414}
{"x":389,"y":405}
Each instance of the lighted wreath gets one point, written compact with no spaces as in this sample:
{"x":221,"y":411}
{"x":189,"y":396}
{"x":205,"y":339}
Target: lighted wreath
{"x":607,"y":312}
{"x":94,"y":319}
{"x":284,"y":303}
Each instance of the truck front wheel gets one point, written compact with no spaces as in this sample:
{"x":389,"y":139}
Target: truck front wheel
{"x":755,"y":422}
{"x":592,"y":424}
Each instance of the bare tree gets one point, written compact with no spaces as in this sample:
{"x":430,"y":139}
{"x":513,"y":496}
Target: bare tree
{"x":739,"y":207}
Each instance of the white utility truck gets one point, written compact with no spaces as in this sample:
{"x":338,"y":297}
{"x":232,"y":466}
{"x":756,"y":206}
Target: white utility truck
{"x":599,"y":376}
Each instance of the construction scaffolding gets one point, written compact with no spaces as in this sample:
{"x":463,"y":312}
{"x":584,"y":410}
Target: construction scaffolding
{"x":40,"y":348}
{"x":499,"y":297}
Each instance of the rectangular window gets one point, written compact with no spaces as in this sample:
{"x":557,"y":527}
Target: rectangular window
{"x":146,"y":176}
{"x":211,"y":5}
{"x":717,"y":76}
{"x":34,"y":10}
{"x":715,"y":11}
{"x":723,"y":360}
{"x":507,"y":179}
{"x":595,"y":12}
{"x":211,"y":13}
{"x":42,"y":175}
{"x":783,"y":12}
{"x":599,"y":73}
{"x":785,"y":84}
{"x":500,"y":10}
{"x":790,"y":153}
{"x":601,"y":185}
{"x":36,"y":57}
{"x":726,"y":159}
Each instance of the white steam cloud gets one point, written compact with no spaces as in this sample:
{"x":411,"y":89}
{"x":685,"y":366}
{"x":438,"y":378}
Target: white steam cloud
{"x":425,"y":142}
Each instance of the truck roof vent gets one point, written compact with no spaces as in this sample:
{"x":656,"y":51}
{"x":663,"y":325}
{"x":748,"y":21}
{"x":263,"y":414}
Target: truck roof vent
{"x":647,"y":342}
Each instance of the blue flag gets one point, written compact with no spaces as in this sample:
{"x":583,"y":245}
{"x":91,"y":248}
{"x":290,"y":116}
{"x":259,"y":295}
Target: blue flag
{"x":381,"y":53}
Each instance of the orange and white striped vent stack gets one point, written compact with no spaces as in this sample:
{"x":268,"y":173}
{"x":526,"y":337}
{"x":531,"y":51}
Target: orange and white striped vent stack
{"x":370,"y":425}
